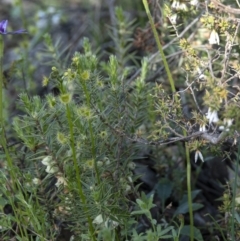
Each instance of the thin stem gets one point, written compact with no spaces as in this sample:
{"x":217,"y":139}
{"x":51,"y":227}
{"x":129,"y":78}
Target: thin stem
{"x":1,"y":81}
{"x":234,"y":195}
{"x":78,"y":172}
{"x":91,"y":131}
{"x":189,"y":191}
{"x":3,"y":138}
{"x":160,"y":48}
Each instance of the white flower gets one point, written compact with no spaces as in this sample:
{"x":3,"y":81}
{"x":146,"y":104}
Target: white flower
{"x":202,"y":128}
{"x":212,"y":116}
{"x":131,"y":165}
{"x":36,"y":181}
{"x":51,"y":169}
{"x":234,"y":141}
{"x":194,"y":2}
{"x":237,"y":200}
{"x":214,"y":38}
{"x":201,"y":75}
{"x":198,"y":154}
{"x":175,"y":5}
{"x":107,"y":161}
{"x":173,"y":19}
{"x":227,"y":123}
{"x":60,"y":181}
{"x":111,"y":223}
{"x":182,"y":7}
{"x":98,"y":219}
{"x":47,"y":160}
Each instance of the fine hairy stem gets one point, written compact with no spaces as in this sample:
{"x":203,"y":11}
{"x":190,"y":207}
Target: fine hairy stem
{"x":91,"y":133}
{"x":76,"y":167}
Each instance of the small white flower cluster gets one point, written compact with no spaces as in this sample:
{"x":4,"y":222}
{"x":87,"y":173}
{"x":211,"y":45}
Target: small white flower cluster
{"x":212,"y":117}
{"x":180,"y":6}
{"x":60,"y":181}
{"x":50,"y":165}
{"x":107,"y":223}
{"x":176,"y":5}
{"x":52,"y":168}
{"x":227,"y":123}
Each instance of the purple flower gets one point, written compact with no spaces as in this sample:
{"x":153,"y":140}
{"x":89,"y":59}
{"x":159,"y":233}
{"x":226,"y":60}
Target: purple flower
{"x":3,"y":28}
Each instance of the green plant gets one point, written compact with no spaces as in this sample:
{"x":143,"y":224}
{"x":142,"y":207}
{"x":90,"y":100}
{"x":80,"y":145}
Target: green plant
{"x":74,"y":150}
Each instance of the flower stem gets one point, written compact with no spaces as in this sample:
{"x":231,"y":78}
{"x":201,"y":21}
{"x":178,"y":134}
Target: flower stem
{"x":165,"y":63}
{"x":78,"y":172}
{"x":91,"y":133}
{"x":233,"y":231}
{"x":189,"y":191}
{"x":1,"y":81}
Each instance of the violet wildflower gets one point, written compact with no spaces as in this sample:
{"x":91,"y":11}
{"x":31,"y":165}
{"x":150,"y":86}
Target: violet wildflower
{"x":3,"y":28}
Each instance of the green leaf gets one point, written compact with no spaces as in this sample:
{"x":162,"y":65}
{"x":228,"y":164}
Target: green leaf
{"x":193,"y":195}
{"x":197,"y":234}
{"x":184,"y":208}
{"x":164,"y":231}
{"x":236,"y":215}
{"x":164,"y":189}
{"x":140,"y":212}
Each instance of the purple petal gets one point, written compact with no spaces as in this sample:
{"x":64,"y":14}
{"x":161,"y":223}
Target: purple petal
{"x":3,"y":26}
{"x":17,"y":31}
